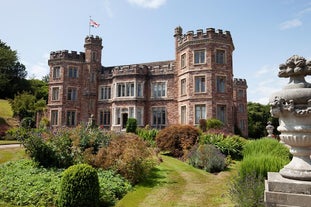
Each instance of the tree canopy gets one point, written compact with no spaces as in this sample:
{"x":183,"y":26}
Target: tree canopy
{"x":258,"y":117}
{"x":12,"y":72}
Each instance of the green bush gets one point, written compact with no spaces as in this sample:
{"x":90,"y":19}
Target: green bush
{"x":131,"y":125}
{"x":28,"y":122}
{"x":247,"y":191}
{"x":228,"y":145}
{"x":214,"y":124}
{"x":112,"y":187}
{"x":177,"y":139}
{"x":48,"y":149}
{"x":79,"y":187}
{"x":89,"y":138}
{"x":261,"y":164}
{"x":266,"y":146}
{"x":260,"y":156}
{"x":24,"y":183}
{"x":147,"y":135}
{"x":207,"y":157}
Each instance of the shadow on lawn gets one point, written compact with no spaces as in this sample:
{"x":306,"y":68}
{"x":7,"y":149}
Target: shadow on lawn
{"x":156,"y":177}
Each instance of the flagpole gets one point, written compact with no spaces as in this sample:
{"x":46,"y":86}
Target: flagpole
{"x":90,"y":26}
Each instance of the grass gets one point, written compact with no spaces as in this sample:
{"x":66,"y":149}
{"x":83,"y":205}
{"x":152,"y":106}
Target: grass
{"x":177,"y":184}
{"x":6,"y":142}
{"x":9,"y":154}
{"x":5,"y":109}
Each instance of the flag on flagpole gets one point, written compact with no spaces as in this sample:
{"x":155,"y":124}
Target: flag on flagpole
{"x":93,"y":23}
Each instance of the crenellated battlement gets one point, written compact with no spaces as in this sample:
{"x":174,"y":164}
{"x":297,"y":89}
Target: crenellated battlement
{"x":93,"y":40}
{"x":66,"y":55}
{"x":161,"y":69}
{"x":209,"y":34}
{"x":155,"y":68}
{"x":135,"y":69}
{"x":239,"y":82}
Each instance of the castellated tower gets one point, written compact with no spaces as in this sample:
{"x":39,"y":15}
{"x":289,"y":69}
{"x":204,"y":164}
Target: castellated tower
{"x":205,"y":76}
{"x":73,"y":84}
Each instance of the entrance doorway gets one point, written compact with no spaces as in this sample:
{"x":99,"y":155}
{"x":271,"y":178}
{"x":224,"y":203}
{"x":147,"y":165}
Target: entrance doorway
{"x":124,"y":120}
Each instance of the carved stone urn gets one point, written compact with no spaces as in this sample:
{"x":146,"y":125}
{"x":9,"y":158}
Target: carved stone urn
{"x":292,"y":105}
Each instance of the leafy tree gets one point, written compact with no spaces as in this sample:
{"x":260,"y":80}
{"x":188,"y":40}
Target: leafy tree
{"x":39,"y":89}
{"x":46,"y":78}
{"x":12,"y":72}
{"x":23,"y":105}
{"x":258,"y":116}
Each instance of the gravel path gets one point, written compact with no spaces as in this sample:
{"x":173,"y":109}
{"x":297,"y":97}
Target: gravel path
{"x":5,"y":146}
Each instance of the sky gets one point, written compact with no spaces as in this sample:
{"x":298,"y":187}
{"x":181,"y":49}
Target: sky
{"x":265,"y":32}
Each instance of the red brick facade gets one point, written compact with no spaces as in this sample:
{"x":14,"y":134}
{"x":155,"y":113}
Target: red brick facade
{"x":197,"y":84}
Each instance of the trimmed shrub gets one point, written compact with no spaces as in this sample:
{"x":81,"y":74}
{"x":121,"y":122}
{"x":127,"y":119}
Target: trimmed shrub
{"x":177,"y":140}
{"x":128,"y":155}
{"x":79,"y":187}
{"x":208,"y":158}
{"x":131,"y":125}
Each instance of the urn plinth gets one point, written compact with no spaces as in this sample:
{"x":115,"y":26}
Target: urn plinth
{"x":292,"y":106}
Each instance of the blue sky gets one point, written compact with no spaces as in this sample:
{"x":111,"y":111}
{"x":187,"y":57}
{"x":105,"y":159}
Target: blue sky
{"x":265,"y":32}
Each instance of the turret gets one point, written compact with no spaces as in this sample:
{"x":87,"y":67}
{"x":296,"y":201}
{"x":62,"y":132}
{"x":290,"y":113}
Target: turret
{"x":93,"y":47}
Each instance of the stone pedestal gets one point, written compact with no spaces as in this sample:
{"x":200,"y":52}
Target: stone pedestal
{"x":284,"y":192}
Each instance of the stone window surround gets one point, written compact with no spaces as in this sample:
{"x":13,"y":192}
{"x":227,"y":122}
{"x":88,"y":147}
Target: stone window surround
{"x":152,"y":89}
{"x":194,"y":82}
{"x":58,"y":111}
{"x":218,"y":59}
{"x":183,"y":60}
{"x":219,"y":88}
{"x":126,"y":109}
{"x":183,"y":117}
{"x":53,"y":95}
{"x":200,"y":61}
{"x":74,"y":71}
{"x":202,"y":116}
{"x":71,"y":112}
{"x":101,"y":96}
{"x":158,"y":109}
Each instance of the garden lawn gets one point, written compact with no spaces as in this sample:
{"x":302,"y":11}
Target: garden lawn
{"x":9,"y":154}
{"x":177,"y":184}
{"x":5,"y":109}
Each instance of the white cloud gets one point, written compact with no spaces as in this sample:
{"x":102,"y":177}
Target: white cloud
{"x":264,"y":70}
{"x":38,"y":70}
{"x":304,"y":11}
{"x":108,"y":9}
{"x":290,"y":24}
{"x":153,"y":4}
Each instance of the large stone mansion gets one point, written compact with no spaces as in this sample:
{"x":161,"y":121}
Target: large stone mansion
{"x":198,"y":84}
